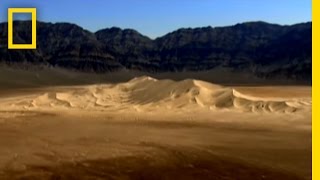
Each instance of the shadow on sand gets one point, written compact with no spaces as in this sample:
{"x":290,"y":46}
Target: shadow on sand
{"x":166,"y":163}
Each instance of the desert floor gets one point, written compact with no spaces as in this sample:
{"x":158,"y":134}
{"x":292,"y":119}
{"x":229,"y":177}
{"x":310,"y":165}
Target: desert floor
{"x":149,"y":129}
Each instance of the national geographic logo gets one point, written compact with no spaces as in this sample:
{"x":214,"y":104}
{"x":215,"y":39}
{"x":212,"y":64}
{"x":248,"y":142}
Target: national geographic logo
{"x":11,"y":12}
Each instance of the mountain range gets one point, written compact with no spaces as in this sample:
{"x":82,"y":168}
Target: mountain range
{"x":267,"y":51}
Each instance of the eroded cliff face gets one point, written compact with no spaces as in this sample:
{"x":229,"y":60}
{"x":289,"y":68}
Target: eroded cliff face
{"x":264,"y":50}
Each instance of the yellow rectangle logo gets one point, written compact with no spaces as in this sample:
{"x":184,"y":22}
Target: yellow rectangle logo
{"x":33,"y":12}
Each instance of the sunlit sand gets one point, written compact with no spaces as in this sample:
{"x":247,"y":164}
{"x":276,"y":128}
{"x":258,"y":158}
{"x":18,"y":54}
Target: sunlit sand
{"x":148,"y":128}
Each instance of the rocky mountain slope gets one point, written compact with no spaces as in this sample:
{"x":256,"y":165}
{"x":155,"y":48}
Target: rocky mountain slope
{"x":264,"y":50}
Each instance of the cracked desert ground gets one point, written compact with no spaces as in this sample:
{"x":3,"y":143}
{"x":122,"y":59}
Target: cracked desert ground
{"x":156,"y":129}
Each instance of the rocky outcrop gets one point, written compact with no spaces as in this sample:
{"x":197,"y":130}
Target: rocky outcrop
{"x":265,"y":50}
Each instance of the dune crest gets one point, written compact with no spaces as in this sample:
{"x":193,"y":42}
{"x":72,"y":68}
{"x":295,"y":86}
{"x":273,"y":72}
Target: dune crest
{"x":146,"y":93}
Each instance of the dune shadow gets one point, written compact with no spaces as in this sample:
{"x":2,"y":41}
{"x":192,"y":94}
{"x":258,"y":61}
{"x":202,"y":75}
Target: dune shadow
{"x":166,"y":163}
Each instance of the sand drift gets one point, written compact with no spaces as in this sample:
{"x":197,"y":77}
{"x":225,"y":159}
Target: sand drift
{"x":149,"y":94}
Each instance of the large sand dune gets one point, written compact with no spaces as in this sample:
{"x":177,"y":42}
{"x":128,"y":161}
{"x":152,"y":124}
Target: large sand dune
{"x":148,"y":94}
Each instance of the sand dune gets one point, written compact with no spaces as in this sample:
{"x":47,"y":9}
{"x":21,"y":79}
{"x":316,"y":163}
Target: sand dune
{"x":147,"y":128}
{"x":149,"y":94}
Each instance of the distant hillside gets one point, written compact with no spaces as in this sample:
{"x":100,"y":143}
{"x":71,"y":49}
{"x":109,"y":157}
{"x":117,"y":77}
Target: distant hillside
{"x":267,"y":51}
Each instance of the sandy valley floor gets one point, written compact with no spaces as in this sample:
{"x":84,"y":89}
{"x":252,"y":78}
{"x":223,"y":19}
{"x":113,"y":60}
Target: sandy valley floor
{"x":156,"y":129}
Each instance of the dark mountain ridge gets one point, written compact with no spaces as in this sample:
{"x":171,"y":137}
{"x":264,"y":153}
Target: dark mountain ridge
{"x":264,"y":50}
